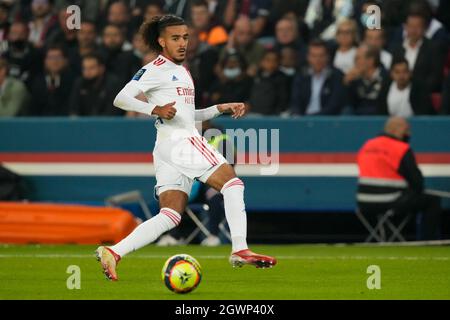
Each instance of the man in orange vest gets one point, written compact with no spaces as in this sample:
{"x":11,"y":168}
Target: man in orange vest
{"x":389,"y":178}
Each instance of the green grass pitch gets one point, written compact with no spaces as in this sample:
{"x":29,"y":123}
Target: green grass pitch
{"x":303,"y":272}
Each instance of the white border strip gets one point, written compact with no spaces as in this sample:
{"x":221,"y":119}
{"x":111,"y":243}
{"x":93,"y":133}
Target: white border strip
{"x":148,"y":170}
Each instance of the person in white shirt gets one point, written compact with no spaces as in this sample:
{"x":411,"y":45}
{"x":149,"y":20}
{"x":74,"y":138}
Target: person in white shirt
{"x":403,"y":97}
{"x":347,"y":40}
{"x":398,"y":101}
{"x":164,"y":89}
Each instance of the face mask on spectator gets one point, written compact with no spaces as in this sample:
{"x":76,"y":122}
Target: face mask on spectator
{"x":287,"y":71}
{"x":232,"y":73}
{"x":18,"y":44}
{"x":364,"y":18}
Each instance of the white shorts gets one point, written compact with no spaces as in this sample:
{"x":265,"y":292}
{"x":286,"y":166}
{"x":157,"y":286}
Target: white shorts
{"x":178,"y":163}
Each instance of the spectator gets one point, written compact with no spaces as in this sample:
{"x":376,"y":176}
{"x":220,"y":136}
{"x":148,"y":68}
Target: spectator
{"x":208,"y":32}
{"x":369,"y":78}
{"x":233,"y":84}
{"x":317,"y":88}
{"x":242,"y":41}
{"x":140,"y":49}
{"x":347,"y":41}
{"x":51,"y":89}
{"x":269,"y":94}
{"x":280,"y":8}
{"x":323,"y":16}
{"x":153,"y":9}
{"x":287,"y":35}
{"x":257,"y":11}
{"x":445,"y":107}
{"x":93,"y":93}
{"x":121,"y":63}
{"x":434,"y":29}
{"x":43,"y":23}
{"x":201,"y":59}
{"x":119,"y":15}
{"x":14,"y":96}
{"x":288,"y":65}
{"x":86,"y":44}
{"x":4,"y":21}
{"x":24,"y":60}
{"x":422,"y":55}
{"x":62,"y":35}
{"x":402,"y":97}
{"x":376,"y":38}
{"x":389,"y":178}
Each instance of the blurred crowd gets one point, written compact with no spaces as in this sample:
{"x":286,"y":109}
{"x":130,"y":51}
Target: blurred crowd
{"x":281,"y":57}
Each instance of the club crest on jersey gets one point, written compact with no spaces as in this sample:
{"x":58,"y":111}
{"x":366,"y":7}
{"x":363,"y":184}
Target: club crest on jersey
{"x":174,"y":78}
{"x":139,"y":74}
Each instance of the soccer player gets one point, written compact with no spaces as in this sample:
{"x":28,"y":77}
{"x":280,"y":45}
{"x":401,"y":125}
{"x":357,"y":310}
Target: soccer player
{"x":164,"y":89}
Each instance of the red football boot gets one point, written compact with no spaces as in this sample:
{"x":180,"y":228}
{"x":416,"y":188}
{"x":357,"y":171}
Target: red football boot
{"x":240,"y":258}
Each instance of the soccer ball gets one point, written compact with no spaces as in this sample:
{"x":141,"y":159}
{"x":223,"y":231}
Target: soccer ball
{"x":181,"y":273}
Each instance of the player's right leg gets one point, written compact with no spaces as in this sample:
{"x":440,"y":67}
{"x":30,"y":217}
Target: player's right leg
{"x":172,"y":203}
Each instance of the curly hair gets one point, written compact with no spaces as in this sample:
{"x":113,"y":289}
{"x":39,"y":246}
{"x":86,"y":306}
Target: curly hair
{"x":151,"y":31}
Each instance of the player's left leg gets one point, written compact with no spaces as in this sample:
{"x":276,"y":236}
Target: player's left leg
{"x":224,"y":180}
{"x":172,"y":188}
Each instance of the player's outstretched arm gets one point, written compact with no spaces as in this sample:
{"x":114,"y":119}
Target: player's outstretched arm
{"x":236,"y":109}
{"x":129,"y":99}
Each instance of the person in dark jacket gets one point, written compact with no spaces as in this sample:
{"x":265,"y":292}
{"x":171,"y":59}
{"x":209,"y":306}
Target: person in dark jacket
{"x":269,"y":94}
{"x":389,"y":178}
{"x":233,"y":83}
{"x":318,"y":89}
{"x":435,"y":30}
{"x":24,"y":60}
{"x":50,"y":90}
{"x":123,"y":64}
{"x":93,"y":93}
{"x":364,"y":90}
{"x":424,"y":57}
{"x":403,"y":97}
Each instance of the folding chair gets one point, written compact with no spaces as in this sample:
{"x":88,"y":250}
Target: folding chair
{"x":378,"y":232}
{"x":129,"y":197}
{"x":201,"y":225}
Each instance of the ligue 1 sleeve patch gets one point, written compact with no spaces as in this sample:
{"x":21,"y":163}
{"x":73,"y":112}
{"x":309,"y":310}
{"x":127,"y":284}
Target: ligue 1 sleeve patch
{"x":139,"y":74}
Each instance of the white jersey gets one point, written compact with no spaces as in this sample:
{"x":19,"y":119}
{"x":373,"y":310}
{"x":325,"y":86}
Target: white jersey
{"x":163,"y":81}
{"x":180,"y":154}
